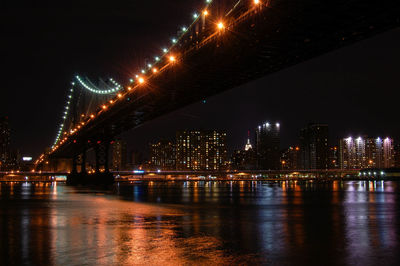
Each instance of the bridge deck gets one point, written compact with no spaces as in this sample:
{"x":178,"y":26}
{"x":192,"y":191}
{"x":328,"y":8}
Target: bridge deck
{"x":253,"y":45}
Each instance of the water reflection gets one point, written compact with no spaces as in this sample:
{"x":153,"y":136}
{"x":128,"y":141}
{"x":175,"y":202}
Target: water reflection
{"x":202,"y":222}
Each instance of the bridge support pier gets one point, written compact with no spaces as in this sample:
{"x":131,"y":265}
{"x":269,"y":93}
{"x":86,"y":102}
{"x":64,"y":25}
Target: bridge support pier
{"x":102,"y":175}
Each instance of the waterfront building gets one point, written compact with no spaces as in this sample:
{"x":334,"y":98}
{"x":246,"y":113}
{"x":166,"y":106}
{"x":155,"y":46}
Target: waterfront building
{"x":119,"y":155}
{"x":162,"y":155}
{"x":200,"y":150}
{"x":388,"y":153}
{"x":352,"y":153}
{"x":364,"y":152}
{"x":4,"y":143}
{"x":290,"y":159}
{"x":268,"y":146}
{"x":314,"y":147}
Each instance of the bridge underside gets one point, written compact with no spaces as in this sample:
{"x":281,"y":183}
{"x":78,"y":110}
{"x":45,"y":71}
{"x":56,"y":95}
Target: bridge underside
{"x":276,"y":36}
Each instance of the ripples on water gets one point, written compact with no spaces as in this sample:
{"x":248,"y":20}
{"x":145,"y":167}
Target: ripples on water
{"x":206,"y":223}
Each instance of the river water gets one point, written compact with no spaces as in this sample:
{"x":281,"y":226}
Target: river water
{"x":202,"y":223}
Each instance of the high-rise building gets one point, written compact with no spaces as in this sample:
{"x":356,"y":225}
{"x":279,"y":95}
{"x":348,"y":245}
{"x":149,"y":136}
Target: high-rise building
{"x":290,"y":159}
{"x":268,"y":146}
{"x":364,"y":152}
{"x":248,"y":145}
{"x":388,"y":153}
{"x":244,"y":159}
{"x":314,"y":146}
{"x":4,"y":142}
{"x":200,"y":150}
{"x":352,"y":153}
{"x":162,"y":155}
{"x":119,"y":155}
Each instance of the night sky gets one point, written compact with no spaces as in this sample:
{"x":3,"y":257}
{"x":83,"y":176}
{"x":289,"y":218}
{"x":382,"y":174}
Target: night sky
{"x":43,"y":45}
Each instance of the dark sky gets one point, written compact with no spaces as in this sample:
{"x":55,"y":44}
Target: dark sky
{"x":43,"y":45}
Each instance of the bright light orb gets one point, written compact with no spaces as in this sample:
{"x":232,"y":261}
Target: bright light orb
{"x":141,"y":80}
{"x":256,"y":2}
{"x":172,"y":58}
{"x":220,"y":25}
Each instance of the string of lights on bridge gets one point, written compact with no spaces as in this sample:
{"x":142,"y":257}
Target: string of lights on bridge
{"x":92,"y":89}
{"x":140,"y":78}
{"x":98,"y":91}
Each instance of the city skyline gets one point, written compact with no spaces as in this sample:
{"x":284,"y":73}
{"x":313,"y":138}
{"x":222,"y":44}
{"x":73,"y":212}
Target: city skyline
{"x":206,"y":132}
{"x":312,"y":90}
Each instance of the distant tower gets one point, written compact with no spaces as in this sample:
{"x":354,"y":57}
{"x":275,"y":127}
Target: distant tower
{"x":314,"y":146}
{"x":248,"y":144}
{"x":268,"y":146}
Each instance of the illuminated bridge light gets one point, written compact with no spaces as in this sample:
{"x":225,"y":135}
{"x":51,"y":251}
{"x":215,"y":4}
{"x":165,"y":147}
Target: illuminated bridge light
{"x":205,"y":12}
{"x":155,"y":70}
{"x":157,"y":58}
{"x":220,"y":25}
{"x":141,"y":80}
{"x":173,"y":40}
{"x":195,"y":15}
{"x":165,"y":50}
{"x":256,"y":2}
{"x":143,"y":71}
{"x":172,"y":59}
{"x":104,"y":107}
{"x":119,"y":95}
{"x":184,"y":29}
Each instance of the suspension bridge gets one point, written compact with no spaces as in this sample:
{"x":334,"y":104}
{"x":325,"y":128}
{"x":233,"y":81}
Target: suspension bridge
{"x":228,"y":43}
